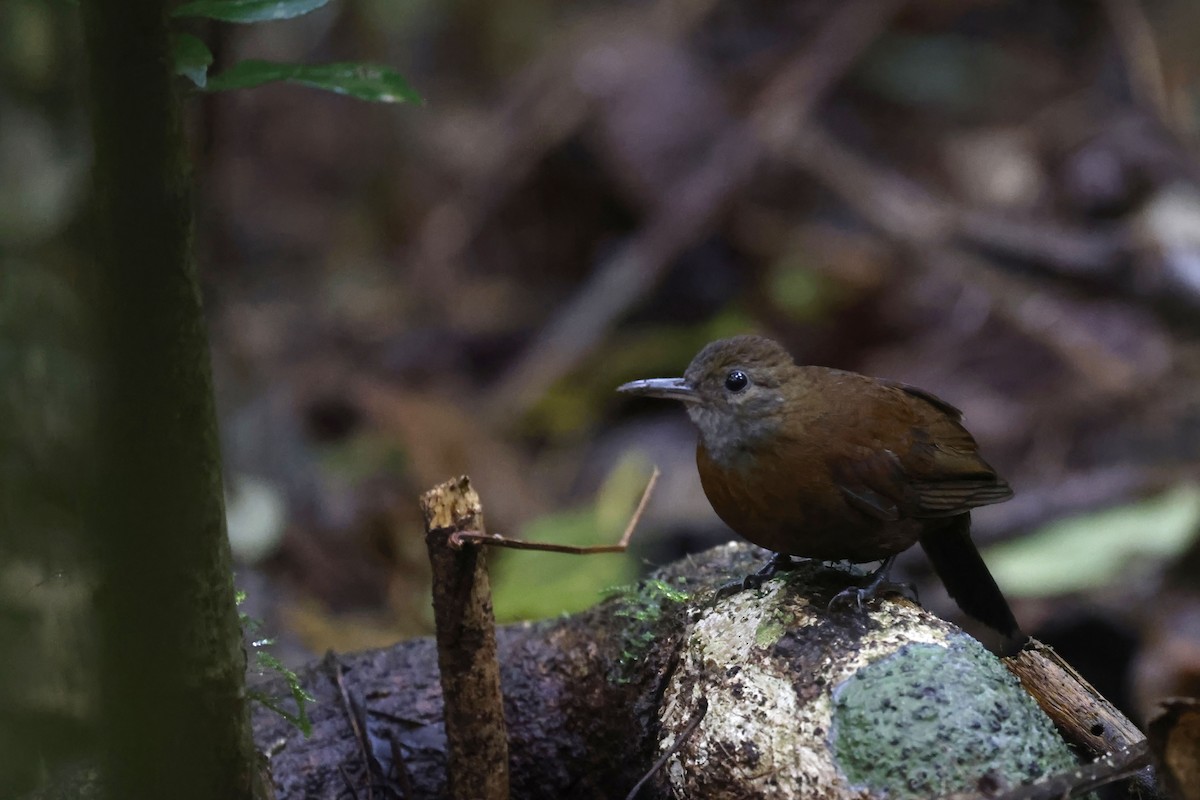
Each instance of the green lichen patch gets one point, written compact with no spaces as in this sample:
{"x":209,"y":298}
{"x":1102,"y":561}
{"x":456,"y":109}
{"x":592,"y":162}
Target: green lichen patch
{"x":931,"y":720}
{"x":774,"y":624}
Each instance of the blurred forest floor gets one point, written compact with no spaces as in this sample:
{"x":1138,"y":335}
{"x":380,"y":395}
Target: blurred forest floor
{"x":996,"y":201}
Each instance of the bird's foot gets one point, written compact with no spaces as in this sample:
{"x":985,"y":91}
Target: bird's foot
{"x":857,"y":596}
{"x":877,"y":585}
{"x":851,"y":597}
{"x":780,"y":562}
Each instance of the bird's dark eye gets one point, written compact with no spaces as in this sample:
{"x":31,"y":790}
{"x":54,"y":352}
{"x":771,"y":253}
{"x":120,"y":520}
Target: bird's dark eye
{"x":736,"y":381}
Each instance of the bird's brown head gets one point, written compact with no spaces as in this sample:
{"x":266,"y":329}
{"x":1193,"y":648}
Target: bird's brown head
{"x":735,"y":391}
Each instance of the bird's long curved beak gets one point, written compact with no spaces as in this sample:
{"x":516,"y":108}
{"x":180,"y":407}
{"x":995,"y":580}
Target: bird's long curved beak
{"x":666,"y":388}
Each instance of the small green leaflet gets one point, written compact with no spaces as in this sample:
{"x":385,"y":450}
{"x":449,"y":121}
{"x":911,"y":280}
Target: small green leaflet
{"x":364,"y":81}
{"x":247,"y":10}
{"x":192,"y":58}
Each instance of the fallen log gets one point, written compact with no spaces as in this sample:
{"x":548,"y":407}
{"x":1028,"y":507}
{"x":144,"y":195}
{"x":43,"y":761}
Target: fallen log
{"x":762,"y":693}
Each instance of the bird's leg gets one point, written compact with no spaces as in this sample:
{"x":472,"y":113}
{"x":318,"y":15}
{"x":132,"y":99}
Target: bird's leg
{"x":780,"y":562}
{"x":877,"y":585}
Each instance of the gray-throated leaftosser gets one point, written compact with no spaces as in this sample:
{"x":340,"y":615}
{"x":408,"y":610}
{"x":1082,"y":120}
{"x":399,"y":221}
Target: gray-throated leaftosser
{"x":832,"y":465}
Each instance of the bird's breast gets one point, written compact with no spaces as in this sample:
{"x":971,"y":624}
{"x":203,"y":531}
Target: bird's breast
{"x":792,"y":505}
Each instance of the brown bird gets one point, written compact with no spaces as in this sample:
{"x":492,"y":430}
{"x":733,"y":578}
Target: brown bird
{"x":832,"y":465}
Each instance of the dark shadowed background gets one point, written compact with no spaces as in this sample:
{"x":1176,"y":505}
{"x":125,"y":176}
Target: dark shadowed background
{"x":996,"y":201}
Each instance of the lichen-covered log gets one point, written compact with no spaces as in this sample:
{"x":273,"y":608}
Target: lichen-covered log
{"x":802,"y":702}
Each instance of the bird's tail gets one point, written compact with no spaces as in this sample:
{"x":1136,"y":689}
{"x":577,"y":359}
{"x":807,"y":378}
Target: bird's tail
{"x":967,"y":579}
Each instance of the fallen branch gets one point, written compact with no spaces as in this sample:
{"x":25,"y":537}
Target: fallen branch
{"x":594,"y":701}
{"x":1083,"y":715}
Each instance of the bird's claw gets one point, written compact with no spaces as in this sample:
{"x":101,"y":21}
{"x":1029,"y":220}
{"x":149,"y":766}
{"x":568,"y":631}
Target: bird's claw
{"x":729,"y":589}
{"x":752,"y":582}
{"x":779,"y":562}
{"x":853,"y":595}
{"x":865,"y":594}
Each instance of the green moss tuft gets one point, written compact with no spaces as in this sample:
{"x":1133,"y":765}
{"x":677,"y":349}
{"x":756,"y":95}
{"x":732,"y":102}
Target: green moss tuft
{"x":773,"y":626}
{"x":643,"y":611}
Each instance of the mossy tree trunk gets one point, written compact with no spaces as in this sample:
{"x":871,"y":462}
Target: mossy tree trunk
{"x":173,"y":713}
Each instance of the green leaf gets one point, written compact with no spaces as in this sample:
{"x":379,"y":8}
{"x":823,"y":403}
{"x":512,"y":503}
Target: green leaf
{"x":535,"y":585}
{"x":191,"y":57}
{"x":247,"y":10}
{"x":1098,"y":549}
{"x":364,"y":81}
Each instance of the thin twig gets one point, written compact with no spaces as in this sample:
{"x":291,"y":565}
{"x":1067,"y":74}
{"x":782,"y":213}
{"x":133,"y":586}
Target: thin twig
{"x":684,"y":735}
{"x":1109,"y":769}
{"x":346,"y":778}
{"x":373,"y":767}
{"x":354,"y":714}
{"x":459,"y":538}
{"x":400,"y":766}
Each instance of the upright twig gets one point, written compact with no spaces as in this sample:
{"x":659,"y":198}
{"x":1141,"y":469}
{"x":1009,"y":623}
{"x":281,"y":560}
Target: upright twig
{"x":476,"y":739}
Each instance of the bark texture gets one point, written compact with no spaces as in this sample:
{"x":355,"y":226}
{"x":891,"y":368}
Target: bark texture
{"x":173,"y":715}
{"x":466,"y":635}
{"x":577,"y":716}
{"x":798,"y":698}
